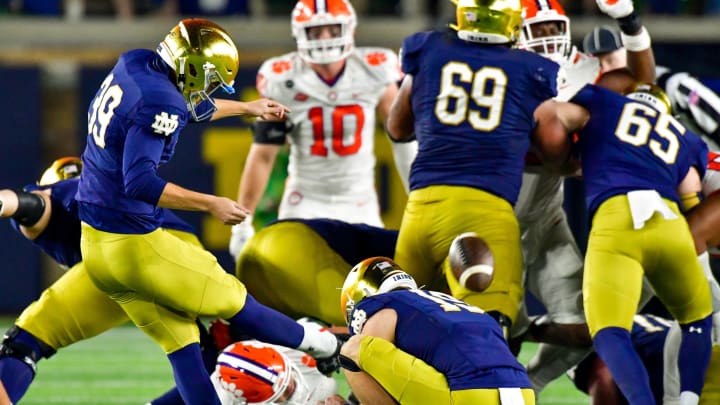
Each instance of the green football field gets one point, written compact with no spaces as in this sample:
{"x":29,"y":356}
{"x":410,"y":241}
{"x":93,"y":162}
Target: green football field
{"x":124,"y":367}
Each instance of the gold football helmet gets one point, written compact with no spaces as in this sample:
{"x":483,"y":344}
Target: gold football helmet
{"x":488,"y":21}
{"x":372,"y":276}
{"x":61,"y":169}
{"x":204,"y":59}
{"x":652,"y":95}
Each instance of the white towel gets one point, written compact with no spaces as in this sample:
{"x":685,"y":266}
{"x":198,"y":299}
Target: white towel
{"x":511,"y":396}
{"x":645,"y":203}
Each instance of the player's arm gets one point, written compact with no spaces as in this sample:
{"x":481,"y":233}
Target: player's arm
{"x":31,"y":210}
{"x":264,"y":108}
{"x":401,"y":121}
{"x":256,"y":173}
{"x":555,"y":121}
{"x":636,"y":39}
{"x":141,"y":157}
{"x":367,"y":388}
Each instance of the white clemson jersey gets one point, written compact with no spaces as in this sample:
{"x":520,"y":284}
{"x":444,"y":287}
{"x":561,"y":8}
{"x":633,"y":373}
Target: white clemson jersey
{"x":541,"y":191}
{"x":711,"y":186}
{"x":581,"y":69}
{"x":333,"y":124}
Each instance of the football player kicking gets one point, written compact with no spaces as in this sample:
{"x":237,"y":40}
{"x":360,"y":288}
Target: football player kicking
{"x":416,"y":346}
{"x":162,"y":282}
{"x":334,"y":91}
{"x":636,"y":174}
{"x":72,"y":309}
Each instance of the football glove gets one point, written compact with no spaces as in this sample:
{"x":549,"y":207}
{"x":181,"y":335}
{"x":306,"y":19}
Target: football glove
{"x":240,"y":234}
{"x":716,"y":329}
{"x":616,"y":8}
{"x":227,"y":392}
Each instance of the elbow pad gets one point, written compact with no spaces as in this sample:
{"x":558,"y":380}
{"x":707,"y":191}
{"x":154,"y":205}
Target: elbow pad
{"x":30,"y":208}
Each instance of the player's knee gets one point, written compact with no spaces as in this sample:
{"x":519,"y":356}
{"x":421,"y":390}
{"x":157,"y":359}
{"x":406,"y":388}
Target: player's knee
{"x":21,"y":345}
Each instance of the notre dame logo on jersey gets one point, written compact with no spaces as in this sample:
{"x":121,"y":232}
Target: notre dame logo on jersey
{"x":165,"y":124}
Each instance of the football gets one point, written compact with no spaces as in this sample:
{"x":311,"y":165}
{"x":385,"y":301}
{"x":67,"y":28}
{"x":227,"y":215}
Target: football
{"x":471,"y":262}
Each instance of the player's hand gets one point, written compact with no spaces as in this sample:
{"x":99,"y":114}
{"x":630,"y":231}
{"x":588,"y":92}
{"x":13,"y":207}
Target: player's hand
{"x":240,"y":234}
{"x":267,"y":109}
{"x":616,"y":8}
{"x":228,"y":211}
{"x":227,"y":392}
{"x":716,"y":329}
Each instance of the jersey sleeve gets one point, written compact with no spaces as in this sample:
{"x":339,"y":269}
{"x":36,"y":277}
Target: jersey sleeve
{"x":164,"y":120}
{"x":545,"y":75}
{"x":384,"y":64}
{"x":411,"y":52}
{"x":269,"y":77}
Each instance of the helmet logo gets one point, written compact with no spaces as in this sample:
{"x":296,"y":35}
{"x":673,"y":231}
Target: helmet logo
{"x":470,"y":16}
{"x":359,"y":318}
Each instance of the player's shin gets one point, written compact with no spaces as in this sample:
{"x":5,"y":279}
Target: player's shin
{"x":192,"y":380}
{"x":271,"y":326}
{"x":19,"y":353}
{"x":695,"y":351}
{"x":615,"y":348}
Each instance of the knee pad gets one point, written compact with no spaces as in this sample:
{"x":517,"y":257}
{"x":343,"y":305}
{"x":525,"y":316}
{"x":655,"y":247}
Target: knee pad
{"x":13,"y":347}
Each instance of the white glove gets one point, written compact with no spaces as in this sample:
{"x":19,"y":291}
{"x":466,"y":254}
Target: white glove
{"x":240,"y":234}
{"x":616,"y":8}
{"x":227,"y":392}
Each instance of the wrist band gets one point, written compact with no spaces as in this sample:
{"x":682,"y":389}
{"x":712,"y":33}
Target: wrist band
{"x":630,"y":24}
{"x":637,"y":43}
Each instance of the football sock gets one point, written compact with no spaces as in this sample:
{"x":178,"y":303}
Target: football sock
{"x":615,"y":348}
{"x":192,"y":380}
{"x":695,"y":351}
{"x":16,"y":377}
{"x":266,"y":324}
{"x":171,"y":397}
{"x":15,"y":374}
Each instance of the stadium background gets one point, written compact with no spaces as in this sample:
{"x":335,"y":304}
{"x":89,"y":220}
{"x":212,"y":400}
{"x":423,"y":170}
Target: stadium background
{"x":50,"y":67}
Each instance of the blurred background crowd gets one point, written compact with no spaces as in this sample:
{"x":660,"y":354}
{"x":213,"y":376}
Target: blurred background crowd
{"x":125,"y":9}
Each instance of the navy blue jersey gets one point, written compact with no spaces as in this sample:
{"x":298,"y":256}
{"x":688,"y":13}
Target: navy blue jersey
{"x":61,"y":237}
{"x":473,"y":106}
{"x":459,"y":340}
{"x":627,"y":145}
{"x":353,"y":242}
{"x":648,"y":338}
{"x":133,"y":126}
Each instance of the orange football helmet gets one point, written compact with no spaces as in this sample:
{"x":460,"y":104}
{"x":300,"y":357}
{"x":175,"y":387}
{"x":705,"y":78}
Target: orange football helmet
{"x":313,"y":13}
{"x":262,"y":373}
{"x":546,"y":30}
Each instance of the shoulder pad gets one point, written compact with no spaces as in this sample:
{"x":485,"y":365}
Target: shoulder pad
{"x":275,"y":70}
{"x":382,"y":62}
